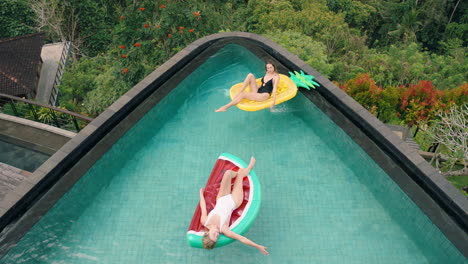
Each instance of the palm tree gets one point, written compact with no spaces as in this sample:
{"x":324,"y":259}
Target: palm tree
{"x":406,"y":30}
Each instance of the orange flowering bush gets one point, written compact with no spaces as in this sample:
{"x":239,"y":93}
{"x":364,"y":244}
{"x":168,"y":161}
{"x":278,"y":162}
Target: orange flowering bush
{"x":414,"y":104}
{"x":153,"y":31}
{"x":420,"y":102}
{"x":457,"y":96}
{"x":365,"y":91}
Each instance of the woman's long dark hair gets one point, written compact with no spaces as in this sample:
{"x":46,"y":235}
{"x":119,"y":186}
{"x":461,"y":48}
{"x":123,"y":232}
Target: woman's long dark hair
{"x":272,"y":64}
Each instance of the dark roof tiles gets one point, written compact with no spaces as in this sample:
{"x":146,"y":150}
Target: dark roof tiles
{"x":20,"y":61}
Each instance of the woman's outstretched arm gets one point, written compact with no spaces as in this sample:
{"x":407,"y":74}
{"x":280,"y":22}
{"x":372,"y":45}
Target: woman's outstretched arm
{"x":244,"y":240}
{"x":202,"y":207}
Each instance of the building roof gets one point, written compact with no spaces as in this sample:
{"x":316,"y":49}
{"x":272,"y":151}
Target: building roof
{"x":20,"y":61}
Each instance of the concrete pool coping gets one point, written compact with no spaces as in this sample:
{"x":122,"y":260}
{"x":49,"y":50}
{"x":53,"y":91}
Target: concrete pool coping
{"x":438,"y":199}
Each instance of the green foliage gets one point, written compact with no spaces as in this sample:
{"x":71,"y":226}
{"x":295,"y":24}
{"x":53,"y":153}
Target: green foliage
{"x":427,"y":22}
{"x":459,"y":182}
{"x":94,"y":25}
{"x":403,"y":65}
{"x":457,"y":96}
{"x":330,"y":36}
{"x":43,"y":115}
{"x":150,"y":33}
{"x":388,"y":104}
{"x":79,"y":79}
{"x":108,"y":90}
{"x":310,"y":51}
{"x":357,"y":13}
{"x":262,"y":15}
{"x":145,"y":35}
{"x":16,"y":18}
{"x":406,"y":64}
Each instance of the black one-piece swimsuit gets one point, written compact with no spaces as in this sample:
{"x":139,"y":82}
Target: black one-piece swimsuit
{"x":266,"y":87}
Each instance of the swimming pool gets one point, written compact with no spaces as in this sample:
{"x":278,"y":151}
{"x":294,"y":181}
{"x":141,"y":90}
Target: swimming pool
{"x":324,"y":200}
{"x":21,"y":157}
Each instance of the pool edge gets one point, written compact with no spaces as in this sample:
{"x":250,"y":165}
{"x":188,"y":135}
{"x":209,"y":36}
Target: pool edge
{"x":22,"y":209}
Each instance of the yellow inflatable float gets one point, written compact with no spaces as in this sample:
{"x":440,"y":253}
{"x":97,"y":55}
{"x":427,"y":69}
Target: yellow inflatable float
{"x":286,"y":90}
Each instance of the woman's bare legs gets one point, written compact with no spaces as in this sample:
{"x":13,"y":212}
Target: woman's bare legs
{"x":238,"y":190}
{"x":225,"y":187}
{"x":259,"y":97}
{"x":253,"y":95}
{"x":249,"y":80}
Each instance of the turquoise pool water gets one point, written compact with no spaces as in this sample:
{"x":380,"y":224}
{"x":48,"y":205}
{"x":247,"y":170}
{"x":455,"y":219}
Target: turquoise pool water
{"x":324,"y":199}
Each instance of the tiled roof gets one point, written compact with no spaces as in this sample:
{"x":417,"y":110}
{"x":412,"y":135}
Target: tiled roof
{"x":20,"y":62}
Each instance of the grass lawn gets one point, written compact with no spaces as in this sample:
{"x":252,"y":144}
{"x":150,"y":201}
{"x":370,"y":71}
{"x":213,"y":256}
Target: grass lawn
{"x":459,"y":182}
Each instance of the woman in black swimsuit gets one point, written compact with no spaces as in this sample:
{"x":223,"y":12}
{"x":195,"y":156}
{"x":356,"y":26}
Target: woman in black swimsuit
{"x":260,"y":94}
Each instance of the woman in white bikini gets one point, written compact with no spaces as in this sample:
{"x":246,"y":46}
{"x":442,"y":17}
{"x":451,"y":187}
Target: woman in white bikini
{"x":259,"y":94}
{"x":217,"y":221}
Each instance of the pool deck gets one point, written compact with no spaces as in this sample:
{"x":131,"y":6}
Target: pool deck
{"x":10,"y":178}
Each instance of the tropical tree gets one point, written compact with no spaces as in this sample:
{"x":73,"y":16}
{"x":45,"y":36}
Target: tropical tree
{"x":311,"y":51}
{"x":457,"y":96}
{"x":407,"y":28}
{"x":451,"y":131}
{"x":145,"y":35}
{"x":388,"y":104}
{"x":16,"y":18}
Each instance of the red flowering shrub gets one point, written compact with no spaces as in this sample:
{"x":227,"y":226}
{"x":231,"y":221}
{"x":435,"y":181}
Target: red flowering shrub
{"x":155,"y":30}
{"x":420,"y":102}
{"x":125,"y":70}
{"x":122,"y":17}
{"x":365,"y":91}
